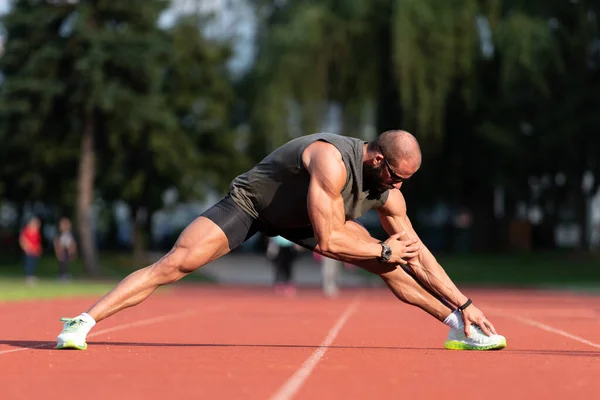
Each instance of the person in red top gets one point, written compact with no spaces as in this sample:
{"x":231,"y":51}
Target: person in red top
{"x":30,"y":241}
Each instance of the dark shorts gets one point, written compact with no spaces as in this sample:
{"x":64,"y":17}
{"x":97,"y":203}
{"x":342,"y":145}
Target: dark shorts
{"x":239,"y":226}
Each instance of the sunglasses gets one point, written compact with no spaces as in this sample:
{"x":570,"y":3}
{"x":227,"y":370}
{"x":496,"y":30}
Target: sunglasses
{"x":394,"y":176}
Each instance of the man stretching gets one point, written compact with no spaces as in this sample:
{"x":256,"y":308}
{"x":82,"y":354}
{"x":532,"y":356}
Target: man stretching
{"x":310,"y":191}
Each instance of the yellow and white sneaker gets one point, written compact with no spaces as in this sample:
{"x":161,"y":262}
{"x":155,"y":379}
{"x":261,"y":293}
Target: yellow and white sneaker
{"x":74,"y":333}
{"x":457,"y":340}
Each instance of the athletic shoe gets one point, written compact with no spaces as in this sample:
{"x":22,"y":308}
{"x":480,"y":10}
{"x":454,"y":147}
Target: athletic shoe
{"x":73,"y":334}
{"x":457,"y":340}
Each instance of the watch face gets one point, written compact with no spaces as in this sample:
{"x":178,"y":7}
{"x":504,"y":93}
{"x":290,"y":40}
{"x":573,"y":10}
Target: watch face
{"x":387,"y":252}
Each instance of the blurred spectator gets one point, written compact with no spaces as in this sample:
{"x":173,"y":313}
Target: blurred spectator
{"x":30,"y":241}
{"x":65,"y":248}
{"x":462,"y":224}
{"x":330,"y":272}
{"x":283,"y":253}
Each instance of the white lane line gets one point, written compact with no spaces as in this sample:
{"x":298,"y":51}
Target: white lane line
{"x":547,"y":328}
{"x":143,"y":322}
{"x":113,"y":329}
{"x":289,"y":389}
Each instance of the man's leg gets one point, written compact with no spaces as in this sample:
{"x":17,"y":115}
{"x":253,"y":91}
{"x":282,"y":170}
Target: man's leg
{"x":200,"y":243}
{"x":406,"y":288}
{"x":222,"y":228}
{"x":403,"y":285}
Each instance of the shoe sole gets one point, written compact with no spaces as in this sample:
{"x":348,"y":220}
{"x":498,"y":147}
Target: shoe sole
{"x":71,"y":345}
{"x":455,"y":345}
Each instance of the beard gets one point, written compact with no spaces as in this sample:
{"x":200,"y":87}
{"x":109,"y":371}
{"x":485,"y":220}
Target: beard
{"x":372,"y":180}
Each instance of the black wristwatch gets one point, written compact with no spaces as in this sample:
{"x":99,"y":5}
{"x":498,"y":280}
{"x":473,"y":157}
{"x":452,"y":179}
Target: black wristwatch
{"x":386,"y":252}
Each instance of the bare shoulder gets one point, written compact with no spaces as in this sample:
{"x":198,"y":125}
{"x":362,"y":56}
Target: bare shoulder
{"x":323,"y":161}
{"x":395,"y":204}
{"x":320,"y":151}
{"x":322,"y":156}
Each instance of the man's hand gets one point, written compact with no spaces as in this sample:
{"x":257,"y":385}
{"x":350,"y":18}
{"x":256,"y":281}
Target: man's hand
{"x":473,"y":315}
{"x":403,"y":248}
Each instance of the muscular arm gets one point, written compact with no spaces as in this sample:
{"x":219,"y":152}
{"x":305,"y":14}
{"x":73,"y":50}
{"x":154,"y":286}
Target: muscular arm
{"x":394,"y":220}
{"x":326,"y":207}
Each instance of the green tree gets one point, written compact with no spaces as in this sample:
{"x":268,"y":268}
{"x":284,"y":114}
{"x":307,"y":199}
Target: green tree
{"x":97,"y":87}
{"x":309,"y":54}
{"x":537,"y":99}
{"x":70,"y":70}
{"x":37,"y":153}
{"x":495,"y":90}
{"x":180,"y":135}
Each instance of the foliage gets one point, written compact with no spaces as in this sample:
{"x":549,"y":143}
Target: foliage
{"x":500,"y":93}
{"x":155,"y":102}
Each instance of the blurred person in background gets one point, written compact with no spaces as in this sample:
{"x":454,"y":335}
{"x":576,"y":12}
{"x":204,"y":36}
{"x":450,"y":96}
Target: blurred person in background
{"x":462,"y":224}
{"x":311,"y":191}
{"x":330,"y":273}
{"x":65,"y":248}
{"x":283,"y":254}
{"x":30,"y":241}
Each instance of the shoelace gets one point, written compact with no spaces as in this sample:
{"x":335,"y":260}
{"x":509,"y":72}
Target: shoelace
{"x":480,"y":336}
{"x":71,"y":324}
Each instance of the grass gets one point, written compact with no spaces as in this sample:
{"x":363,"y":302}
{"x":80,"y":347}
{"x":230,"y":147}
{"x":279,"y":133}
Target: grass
{"x":550,"y":269}
{"x":526,"y":270}
{"x":14,"y":289}
{"x":523,"y":270}
{"x":115,"y":266}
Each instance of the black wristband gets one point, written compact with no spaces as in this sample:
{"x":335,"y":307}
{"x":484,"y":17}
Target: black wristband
{"x":467,"y":304}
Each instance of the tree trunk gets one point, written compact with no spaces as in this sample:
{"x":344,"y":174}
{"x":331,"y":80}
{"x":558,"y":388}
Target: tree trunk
{"x":85,"y":197}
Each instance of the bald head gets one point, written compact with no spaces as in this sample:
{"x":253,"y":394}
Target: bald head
{"x":398,"y":146}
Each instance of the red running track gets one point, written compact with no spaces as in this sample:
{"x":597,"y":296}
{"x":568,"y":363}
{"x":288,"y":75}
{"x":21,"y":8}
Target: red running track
{"x":231,"y":343}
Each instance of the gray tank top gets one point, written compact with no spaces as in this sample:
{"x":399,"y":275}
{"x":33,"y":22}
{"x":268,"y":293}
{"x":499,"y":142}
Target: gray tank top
{"x":275,"y":190}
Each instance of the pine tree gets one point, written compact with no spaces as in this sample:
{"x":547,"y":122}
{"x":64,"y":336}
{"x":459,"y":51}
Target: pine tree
{"x":83,"y":84}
